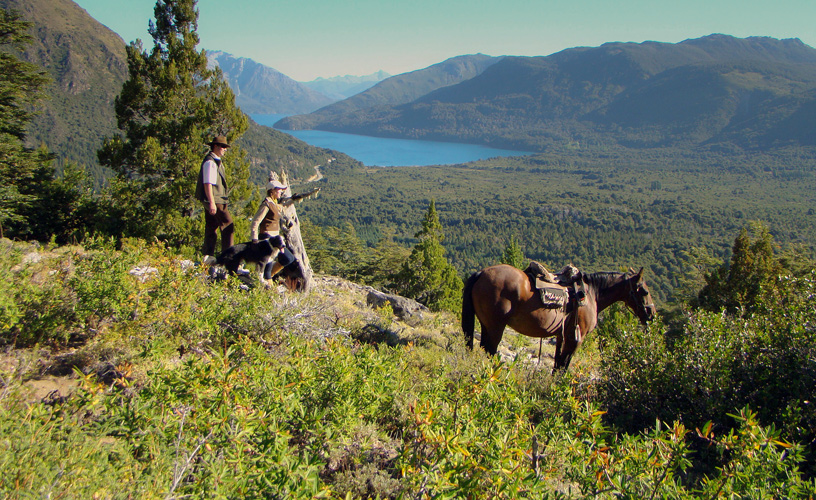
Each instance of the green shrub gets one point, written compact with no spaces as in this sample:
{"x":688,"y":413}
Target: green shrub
{"x":103,"y":286}
{"x":36,"y":306}
{"x":720,"y":363}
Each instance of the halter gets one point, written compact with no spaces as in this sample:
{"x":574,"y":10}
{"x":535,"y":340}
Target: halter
{"x":648,"y":310}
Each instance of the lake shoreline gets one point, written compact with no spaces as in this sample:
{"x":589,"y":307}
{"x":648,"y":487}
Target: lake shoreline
{"x":391,"y":152}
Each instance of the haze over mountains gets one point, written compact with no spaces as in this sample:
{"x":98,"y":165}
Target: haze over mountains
{"x":260,"y":89}
{"x":716,"y":91}
{"x":343,"y":87}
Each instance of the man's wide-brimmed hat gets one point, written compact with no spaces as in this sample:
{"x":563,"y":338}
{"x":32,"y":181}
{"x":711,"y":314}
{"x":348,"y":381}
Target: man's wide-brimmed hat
{"x":221,"y":140}
{"x":275,"y":185}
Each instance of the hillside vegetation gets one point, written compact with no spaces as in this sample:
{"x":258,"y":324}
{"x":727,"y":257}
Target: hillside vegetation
{"x":178,"y":386}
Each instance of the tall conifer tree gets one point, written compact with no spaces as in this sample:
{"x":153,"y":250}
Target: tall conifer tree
{"x":753,"y":266}
{"x":21,"y":86}
{"x":427,"y":276}
{"x":170,"y":106}
{"x":513,"y":255}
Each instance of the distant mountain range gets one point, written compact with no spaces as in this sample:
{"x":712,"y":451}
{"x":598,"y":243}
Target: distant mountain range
{"x":717,"y":92}
{"x":343,"y":87}
{"x":260,"y":89}
{"x":394,"y":91}
{"x":714,"y":92}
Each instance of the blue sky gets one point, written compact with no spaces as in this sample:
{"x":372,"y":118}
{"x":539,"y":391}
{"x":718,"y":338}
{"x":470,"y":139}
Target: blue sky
{"x":306,"y":39}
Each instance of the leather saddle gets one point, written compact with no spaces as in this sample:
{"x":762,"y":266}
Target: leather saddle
{"x":554,"y":289}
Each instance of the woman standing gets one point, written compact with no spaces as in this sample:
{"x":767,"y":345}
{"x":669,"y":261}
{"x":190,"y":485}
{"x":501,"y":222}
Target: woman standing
{"x":267,"y":222}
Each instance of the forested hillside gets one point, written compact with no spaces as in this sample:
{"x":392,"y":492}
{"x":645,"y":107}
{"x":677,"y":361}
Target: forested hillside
{"x":88,"y":66}
{"x":716,"y":92}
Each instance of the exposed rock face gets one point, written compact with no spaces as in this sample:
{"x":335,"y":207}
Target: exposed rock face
{"x":260,"y":89}
{"x":404,"y":308}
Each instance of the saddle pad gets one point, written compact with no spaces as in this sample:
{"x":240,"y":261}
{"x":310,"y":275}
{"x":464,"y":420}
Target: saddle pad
{"x":552,"y":296}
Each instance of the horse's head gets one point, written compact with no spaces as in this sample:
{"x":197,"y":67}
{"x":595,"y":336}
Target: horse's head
{"x":639,"y":299}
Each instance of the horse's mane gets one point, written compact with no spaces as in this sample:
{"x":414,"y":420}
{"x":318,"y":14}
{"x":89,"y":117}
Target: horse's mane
{"x":605,"y":279}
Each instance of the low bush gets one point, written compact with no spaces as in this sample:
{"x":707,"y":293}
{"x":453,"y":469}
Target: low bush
{"x":718,"y":364}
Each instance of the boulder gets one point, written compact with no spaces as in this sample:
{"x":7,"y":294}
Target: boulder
{"x":403,"y":307}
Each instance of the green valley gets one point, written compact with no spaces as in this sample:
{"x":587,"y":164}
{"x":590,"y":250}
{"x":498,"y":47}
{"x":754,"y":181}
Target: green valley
{"x":603,"y":212}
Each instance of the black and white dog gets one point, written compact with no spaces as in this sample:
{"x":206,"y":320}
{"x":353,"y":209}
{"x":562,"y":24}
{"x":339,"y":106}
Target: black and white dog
{"x":259,"y":253}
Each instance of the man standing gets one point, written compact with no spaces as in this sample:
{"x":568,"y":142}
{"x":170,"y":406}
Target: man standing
{"x":212,"y":191}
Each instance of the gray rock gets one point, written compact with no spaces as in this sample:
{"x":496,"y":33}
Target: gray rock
{"x":403,"y":307}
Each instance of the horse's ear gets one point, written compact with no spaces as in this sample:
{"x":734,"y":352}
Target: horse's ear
{"x":640,"y":274}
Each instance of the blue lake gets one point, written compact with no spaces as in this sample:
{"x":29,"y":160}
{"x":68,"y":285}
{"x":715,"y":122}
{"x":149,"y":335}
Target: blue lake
{"x":381,"y":152}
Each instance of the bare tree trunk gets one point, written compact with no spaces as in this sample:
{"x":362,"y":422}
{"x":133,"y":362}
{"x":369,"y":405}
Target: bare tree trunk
{"x":294,"y":239}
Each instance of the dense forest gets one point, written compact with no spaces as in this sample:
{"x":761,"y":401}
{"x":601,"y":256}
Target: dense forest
{"x":604,"y":212}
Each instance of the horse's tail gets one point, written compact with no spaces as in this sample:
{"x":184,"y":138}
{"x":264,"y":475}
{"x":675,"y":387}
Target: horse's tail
{"x":468,"y":313}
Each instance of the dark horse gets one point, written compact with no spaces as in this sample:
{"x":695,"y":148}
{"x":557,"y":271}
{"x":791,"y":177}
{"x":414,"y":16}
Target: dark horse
{"x":502,"y":296}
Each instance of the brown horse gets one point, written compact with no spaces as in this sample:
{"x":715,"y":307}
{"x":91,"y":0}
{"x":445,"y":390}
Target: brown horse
{"x":502,"y":296}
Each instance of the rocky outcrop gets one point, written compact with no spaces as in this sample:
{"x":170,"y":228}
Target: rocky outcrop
{"x":403,"y":307}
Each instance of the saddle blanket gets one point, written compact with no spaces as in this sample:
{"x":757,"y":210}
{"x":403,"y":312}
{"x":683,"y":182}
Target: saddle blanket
{"x":552,"y":296}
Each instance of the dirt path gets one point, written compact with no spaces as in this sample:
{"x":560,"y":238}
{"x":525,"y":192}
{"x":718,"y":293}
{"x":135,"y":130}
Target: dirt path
{"x":317,"y":176}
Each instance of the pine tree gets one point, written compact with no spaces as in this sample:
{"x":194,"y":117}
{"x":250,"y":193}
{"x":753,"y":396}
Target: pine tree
{"x":21,"y":169}
{"x":427,"y":276}
{"x":170,"y":106}
{"x":753,"y":266}
{"x":381,"y":266}
{"x":513,"y":255}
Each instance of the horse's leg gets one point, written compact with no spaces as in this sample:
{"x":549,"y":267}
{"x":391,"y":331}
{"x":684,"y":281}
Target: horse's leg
{"x":559,"y":343}
{"x":564,"y":349}
{"x":491,"y":336}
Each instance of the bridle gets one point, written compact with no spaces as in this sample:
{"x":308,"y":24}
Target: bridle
{"x":648,"y":310}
